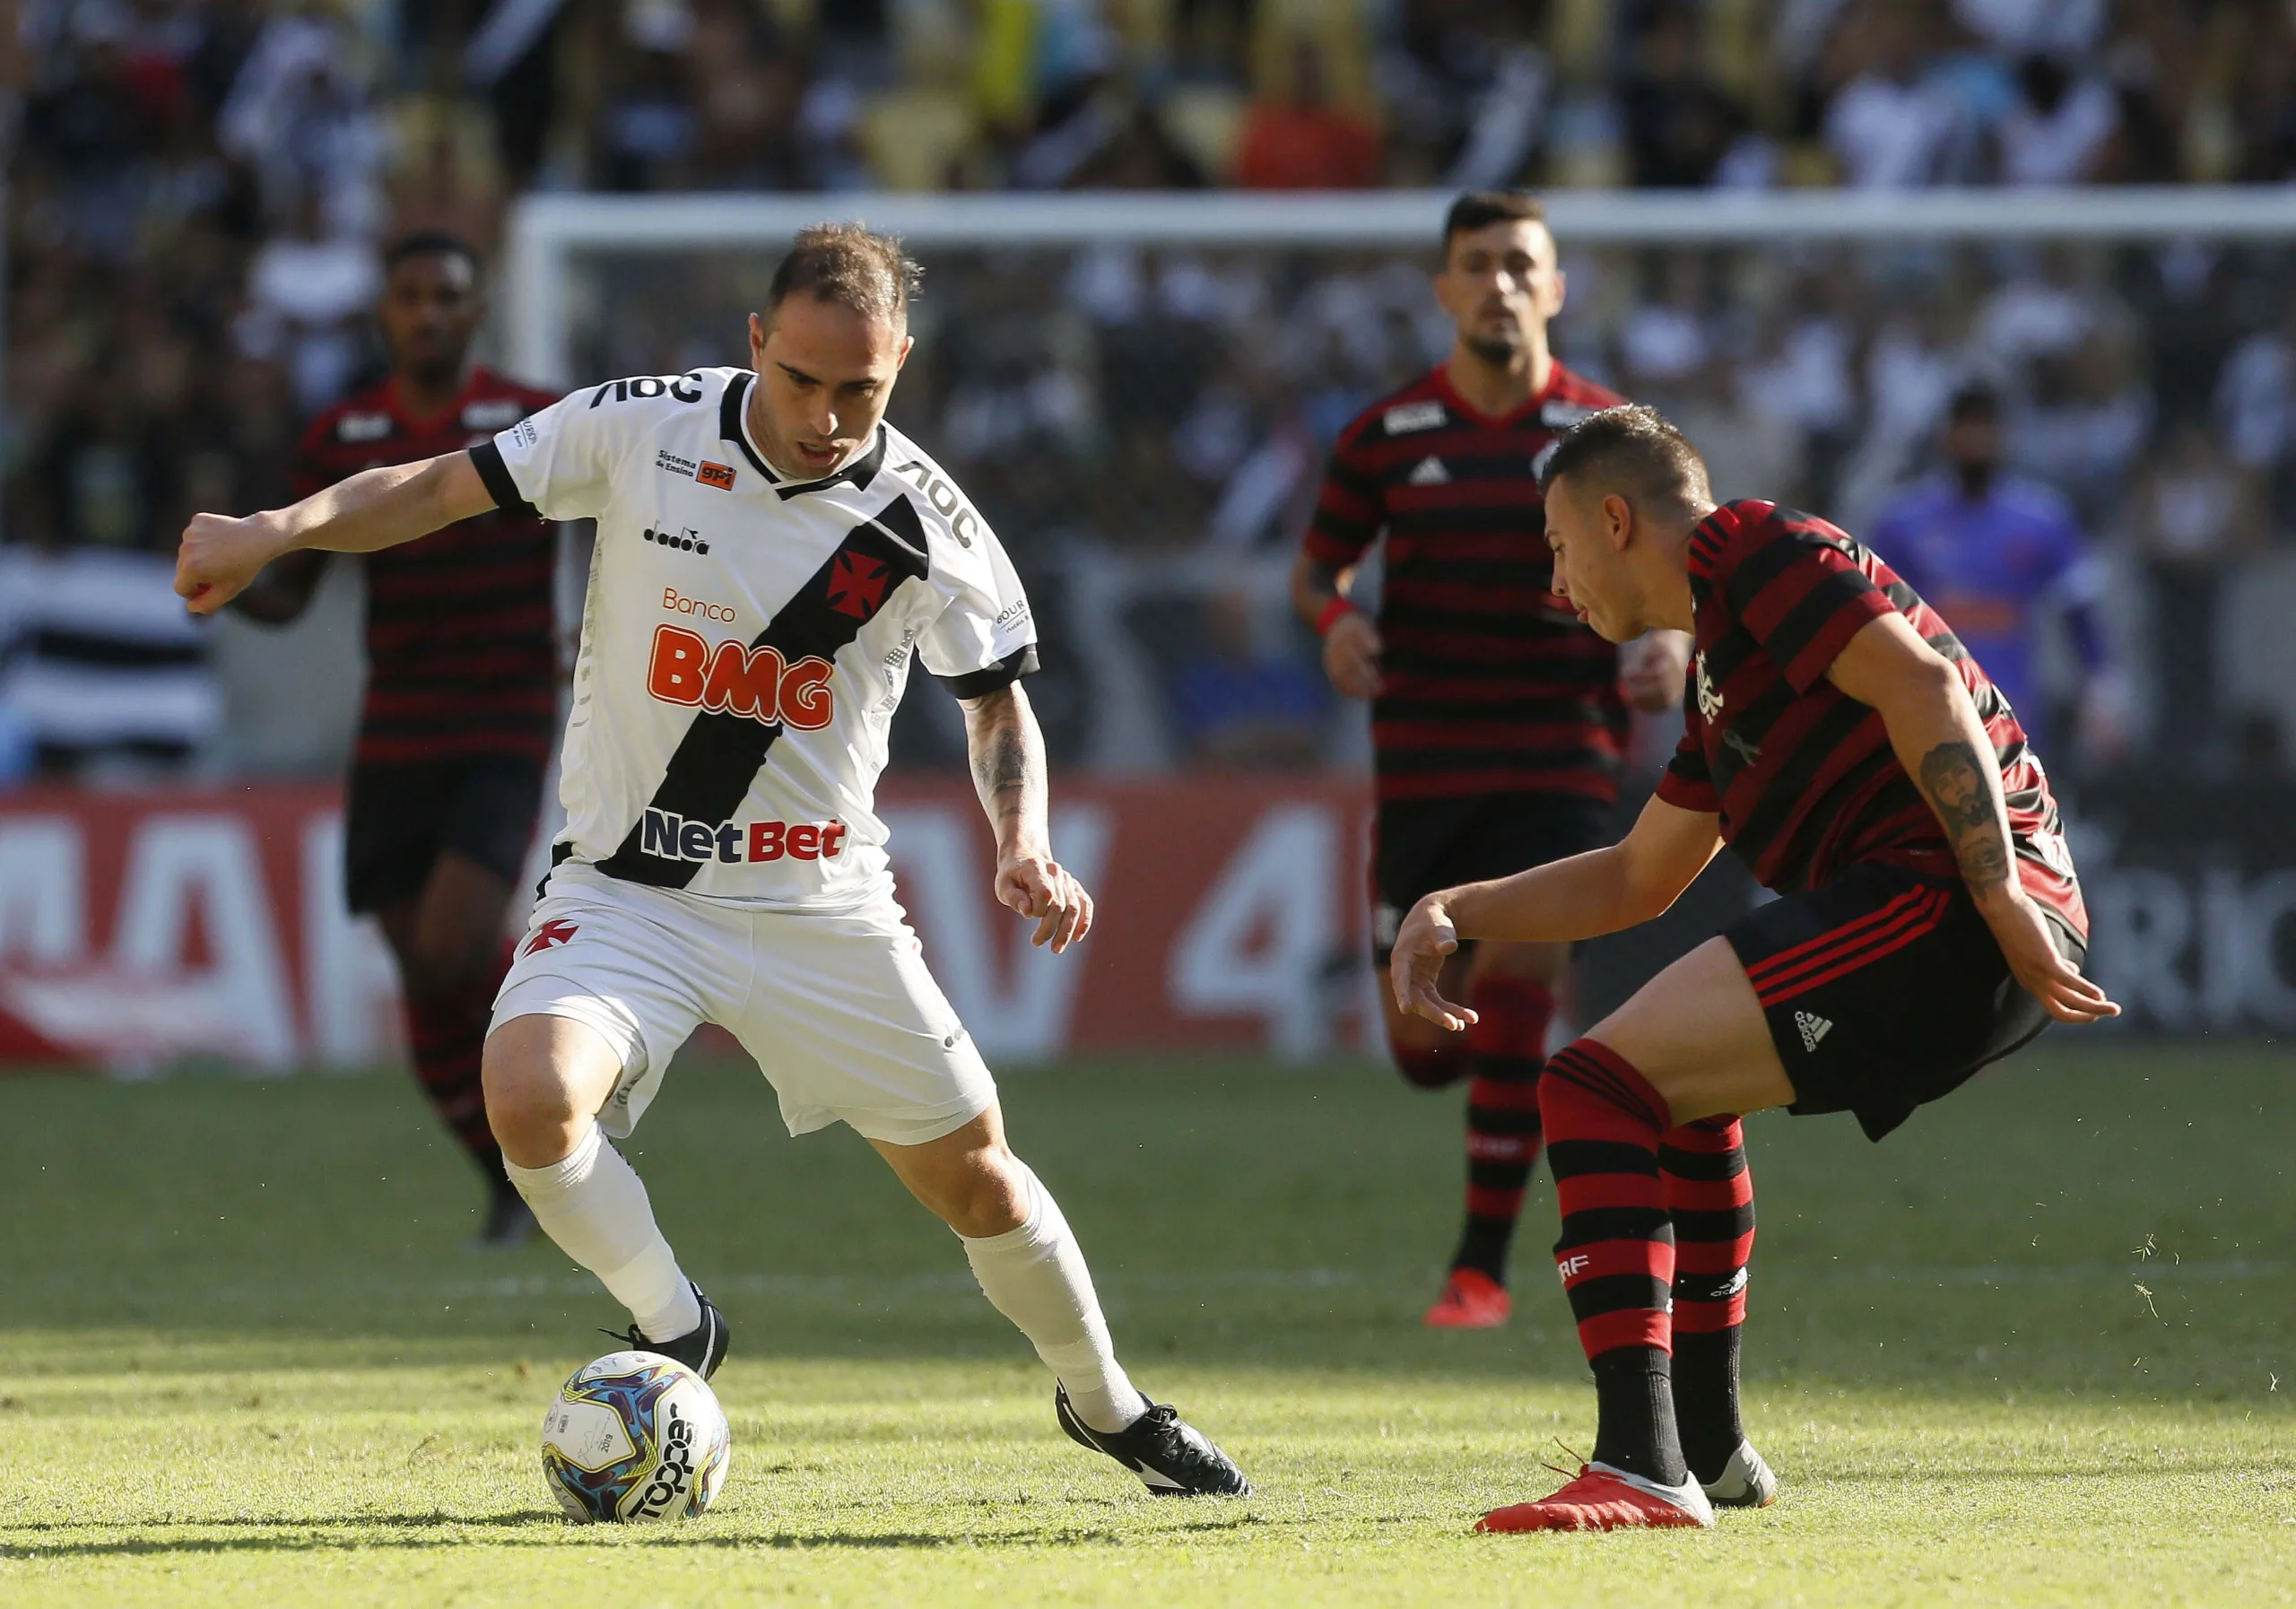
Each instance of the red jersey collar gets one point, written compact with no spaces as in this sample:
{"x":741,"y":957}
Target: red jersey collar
{"x":395,"y":400}
{"x":1537,"y":399}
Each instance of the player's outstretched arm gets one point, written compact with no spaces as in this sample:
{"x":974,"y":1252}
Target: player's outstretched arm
{"x":1600,"y":892}
{"x":376,"y":509}
{"x":1934,"y":730}
{"x":1006,"y":748}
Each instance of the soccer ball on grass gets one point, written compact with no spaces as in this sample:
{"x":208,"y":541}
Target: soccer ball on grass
{"x":635,"y":1436}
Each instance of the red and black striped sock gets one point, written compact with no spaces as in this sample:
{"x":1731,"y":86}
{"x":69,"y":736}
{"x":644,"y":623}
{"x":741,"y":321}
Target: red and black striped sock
{"x":447,"y":1036}
{"x":1710,"y":1199}
{"x":1616,"y":1253}
{"x":1508,"y":1045}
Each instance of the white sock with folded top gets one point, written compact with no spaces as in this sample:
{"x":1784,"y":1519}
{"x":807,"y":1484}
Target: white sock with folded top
{"x":593,"y":1205}
{"x":1035,"y":1276}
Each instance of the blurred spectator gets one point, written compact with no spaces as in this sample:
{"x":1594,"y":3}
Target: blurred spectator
{"x":1240,"y":707}
{"x":1997,"y":556}
{"x":1681,"y":126}
{"x":1892,"y":124}
{"x":1297,"y":137}
{"x":2059,"y":128}
{"x":2195,"y":511}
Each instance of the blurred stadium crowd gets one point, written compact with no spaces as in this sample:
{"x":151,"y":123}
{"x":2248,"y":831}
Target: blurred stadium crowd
{"x":199,"y":191}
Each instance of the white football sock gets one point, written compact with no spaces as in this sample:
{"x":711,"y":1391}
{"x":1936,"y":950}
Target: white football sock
{"x":1035,"y":1276}
{"x":593,"y":1205}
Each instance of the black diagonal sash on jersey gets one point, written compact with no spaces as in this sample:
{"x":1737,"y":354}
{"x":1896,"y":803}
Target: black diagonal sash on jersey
{"x":718,"y":758}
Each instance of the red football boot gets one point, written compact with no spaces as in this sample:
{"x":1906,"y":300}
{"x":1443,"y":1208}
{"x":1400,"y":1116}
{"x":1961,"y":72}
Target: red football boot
{"x":1602,"y":1499}
{"x":1471,"y":1301}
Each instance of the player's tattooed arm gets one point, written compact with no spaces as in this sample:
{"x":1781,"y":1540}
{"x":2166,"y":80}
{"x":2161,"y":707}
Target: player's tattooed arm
{"x":1934,"y":730}
{"x":1965,"y":792}
{"x":1006,"y":748}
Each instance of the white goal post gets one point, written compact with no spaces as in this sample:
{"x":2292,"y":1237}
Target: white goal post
{"x":547,"y":230}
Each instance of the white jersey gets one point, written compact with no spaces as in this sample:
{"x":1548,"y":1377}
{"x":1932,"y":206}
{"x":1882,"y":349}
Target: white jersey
{"x":746,"y":636}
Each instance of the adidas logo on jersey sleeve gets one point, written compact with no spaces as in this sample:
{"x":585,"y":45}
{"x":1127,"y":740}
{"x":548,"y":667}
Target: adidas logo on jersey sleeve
{"x":1814,"y":1028}
{"x":1430,"y":472}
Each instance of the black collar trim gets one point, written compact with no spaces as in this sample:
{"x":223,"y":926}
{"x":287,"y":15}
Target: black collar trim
{"x":731,"y":426}
{"x":860,"y":472}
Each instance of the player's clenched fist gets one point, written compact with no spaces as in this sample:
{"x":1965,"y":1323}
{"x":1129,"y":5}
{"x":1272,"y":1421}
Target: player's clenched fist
{"x":1425,"y":941}
{"x":1352,"y":656}
{"x":218,"y":557}
{"x":1038,"y":886}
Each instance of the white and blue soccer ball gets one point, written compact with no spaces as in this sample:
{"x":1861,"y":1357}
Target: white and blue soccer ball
{"x":635,"y":1436}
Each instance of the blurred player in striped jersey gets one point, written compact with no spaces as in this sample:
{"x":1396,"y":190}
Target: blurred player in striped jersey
{"x":1845,"y":744}
{"x":1499,"y":722}
{"x":461,"y":704}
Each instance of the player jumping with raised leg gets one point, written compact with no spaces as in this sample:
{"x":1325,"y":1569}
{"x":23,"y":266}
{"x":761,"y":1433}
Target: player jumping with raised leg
{"x":1843,"y":743}
{"x":769,"y":555}
{"x":461,"y":704}
{"x":1497,"y":719}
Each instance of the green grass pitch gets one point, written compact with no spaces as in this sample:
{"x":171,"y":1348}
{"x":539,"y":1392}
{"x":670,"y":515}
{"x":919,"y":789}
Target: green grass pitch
{"x":2036,"y":1348}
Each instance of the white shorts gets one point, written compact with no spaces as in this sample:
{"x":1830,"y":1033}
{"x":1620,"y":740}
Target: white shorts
{"x":838,"y":1009}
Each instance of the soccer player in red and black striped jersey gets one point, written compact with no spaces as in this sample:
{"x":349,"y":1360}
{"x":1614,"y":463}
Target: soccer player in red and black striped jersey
{"x":1497,"y":720}
{"x":1844,"y":743}
{"x":462,"y":687}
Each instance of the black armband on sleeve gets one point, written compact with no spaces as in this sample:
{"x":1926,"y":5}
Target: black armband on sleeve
{"x":1021,"y":662}
{"x":487,"y":459}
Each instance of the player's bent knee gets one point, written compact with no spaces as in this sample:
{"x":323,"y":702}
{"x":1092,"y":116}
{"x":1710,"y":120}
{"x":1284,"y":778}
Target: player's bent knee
{"x":982,"y":1193}
{"x":532,"y":1103}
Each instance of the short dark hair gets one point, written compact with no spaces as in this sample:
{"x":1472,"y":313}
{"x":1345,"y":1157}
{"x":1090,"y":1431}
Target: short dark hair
{"x":1973,"y":400}
{"x":846,"y":264}
{"x":429,"y":243}
{"x":1631,"y":449}
{"x":1479,"y":209}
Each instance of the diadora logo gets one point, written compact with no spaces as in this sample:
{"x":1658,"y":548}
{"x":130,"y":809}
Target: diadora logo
{"x":668,"y":836}
{"x":856,"y":585}
{"x":1709,"y":702}
{"x":1573,"y":1265}
{"x":550,"y":936}
{"x":687,"y":539}
{"x":740,"y":680}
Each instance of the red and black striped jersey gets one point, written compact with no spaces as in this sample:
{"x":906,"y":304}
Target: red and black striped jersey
{"x":1490,"y":684}
{"x":1802,"y":774}
{"x":460,"y":654}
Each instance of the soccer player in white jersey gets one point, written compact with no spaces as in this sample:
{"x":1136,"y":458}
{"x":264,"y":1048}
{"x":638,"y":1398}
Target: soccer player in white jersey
{"x":770,"y":553}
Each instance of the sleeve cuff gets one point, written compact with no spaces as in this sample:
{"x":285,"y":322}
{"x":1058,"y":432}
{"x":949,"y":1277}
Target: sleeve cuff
{"x":1021,"y":662}
{"x":487,"y":459}
{"x":1683,"y":794}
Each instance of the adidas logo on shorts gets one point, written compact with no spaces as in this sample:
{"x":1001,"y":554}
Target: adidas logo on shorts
{"x":1813,"y":1029}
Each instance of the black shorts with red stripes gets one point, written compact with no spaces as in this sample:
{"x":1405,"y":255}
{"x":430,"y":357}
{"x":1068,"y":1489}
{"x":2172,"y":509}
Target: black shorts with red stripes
{"x":1884,"y":990}
{"x":1419,"y":846}
{"x":400,"y":817}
